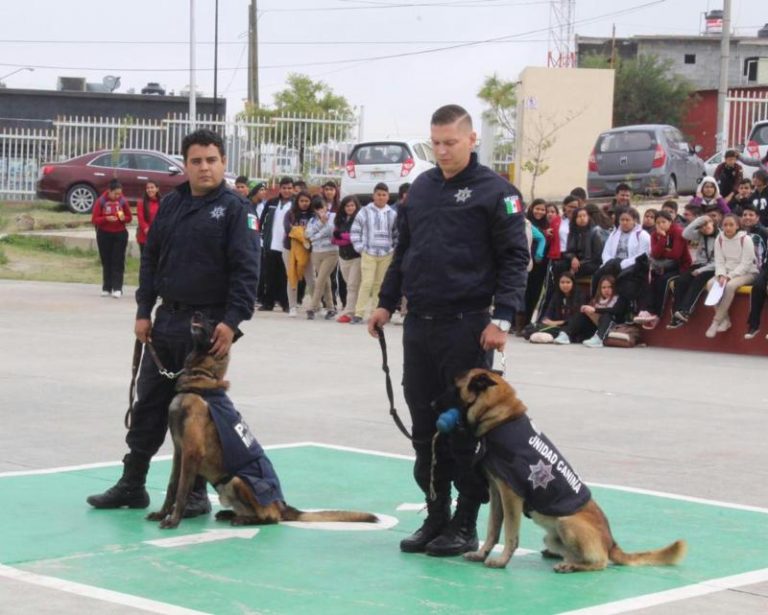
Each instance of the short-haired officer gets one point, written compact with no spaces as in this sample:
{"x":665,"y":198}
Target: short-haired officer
{"x":202,"y":254}
{"x":461,"y":249}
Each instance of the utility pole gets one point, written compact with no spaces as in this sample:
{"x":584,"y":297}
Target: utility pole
{"x":722,"y":92}
{"x":253,"y":55}
{"x":192,"y":85}
{"x":613,"y":47}
{"x":216,"y":61}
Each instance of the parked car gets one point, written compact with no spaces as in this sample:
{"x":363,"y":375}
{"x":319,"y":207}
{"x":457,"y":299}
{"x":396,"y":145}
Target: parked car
{"x":757,"y":143}
{"x":78,"y":182}
{"x":711,"y":164}
{"x":651,"y":158}
{"x":391,"y":162}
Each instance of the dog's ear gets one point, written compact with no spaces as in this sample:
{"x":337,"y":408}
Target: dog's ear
{"x":480,"y":383}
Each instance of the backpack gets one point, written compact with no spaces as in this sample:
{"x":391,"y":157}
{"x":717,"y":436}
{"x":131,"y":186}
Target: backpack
{"x":623,"y":336}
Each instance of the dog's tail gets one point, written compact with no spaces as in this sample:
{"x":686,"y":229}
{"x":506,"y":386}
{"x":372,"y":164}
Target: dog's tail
{"x":671,"y":554}
{"x":293,"y":514}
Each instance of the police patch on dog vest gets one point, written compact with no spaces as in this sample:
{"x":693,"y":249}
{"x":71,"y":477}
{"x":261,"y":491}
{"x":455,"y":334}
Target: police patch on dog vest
{"x":243,"y":455}
{"x":514,"y":205}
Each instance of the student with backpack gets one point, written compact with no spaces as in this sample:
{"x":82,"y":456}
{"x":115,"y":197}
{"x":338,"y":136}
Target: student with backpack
{"x":110,"y":215}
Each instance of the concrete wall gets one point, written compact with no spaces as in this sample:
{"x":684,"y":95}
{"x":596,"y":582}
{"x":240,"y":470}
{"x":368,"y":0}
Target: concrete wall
{"x":570,"y":107}
{"x":704,"y":74}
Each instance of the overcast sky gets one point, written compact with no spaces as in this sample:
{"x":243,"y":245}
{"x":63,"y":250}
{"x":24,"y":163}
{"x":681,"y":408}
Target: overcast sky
{"x":338,"y":41}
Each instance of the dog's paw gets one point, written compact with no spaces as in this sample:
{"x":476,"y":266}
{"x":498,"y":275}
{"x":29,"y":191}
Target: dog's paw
{"x":156,"y":516}
{"x":564,"y":567}
{"x":475,"y":556}
{"x":225,"y":515}
{"x":547,"y":554}
{"x":169,"y":523}
{"x":496,"y":562}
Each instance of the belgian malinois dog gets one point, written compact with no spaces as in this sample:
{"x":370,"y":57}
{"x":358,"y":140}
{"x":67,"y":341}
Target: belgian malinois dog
{"x":528,"y":475}
{"x":247,"y":484}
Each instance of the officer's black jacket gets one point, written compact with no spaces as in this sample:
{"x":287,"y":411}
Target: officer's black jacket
{"x":461,"y":245}
{"x":201,"y":251}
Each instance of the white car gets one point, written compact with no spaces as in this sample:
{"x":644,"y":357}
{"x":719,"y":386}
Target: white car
{"x":391,"y":162}
{"x":757,"y":143}
{"x":711,"y":164}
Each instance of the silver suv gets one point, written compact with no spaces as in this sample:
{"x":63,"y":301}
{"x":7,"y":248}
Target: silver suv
{"x":651,"y":158}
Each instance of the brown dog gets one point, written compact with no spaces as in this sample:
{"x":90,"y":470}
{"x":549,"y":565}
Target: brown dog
{"x":527,"y":474}
{"x":201,"y":419}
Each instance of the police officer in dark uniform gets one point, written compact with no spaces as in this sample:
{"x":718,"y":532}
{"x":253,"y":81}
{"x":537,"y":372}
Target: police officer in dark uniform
{"x":202,"y":254}
{"x":462,"y":247}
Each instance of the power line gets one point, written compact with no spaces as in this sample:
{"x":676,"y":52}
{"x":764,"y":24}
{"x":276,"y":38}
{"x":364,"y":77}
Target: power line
{"x":470,"y":4}
{"x":283,"y":43}
{"x":370,"y":58}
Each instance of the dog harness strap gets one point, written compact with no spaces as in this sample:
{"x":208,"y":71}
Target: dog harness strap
{"x":388,"y":384}
{"x":223,"y":480}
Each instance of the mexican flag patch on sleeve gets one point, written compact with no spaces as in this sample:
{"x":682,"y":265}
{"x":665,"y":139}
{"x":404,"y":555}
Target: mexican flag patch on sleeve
{"x":514,"y":204}
{"x":253,"y":222}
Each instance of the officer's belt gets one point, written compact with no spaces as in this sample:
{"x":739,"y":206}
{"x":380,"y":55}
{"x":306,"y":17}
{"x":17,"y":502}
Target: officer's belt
{"x":446,"y":316}
{"x":178,"y":306}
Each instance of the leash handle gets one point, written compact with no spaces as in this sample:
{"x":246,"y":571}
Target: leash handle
{"x":388,"y":383}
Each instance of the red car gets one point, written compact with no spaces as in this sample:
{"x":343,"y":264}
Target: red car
{"x":78,"y":182}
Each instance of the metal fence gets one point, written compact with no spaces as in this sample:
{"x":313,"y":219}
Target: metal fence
{"x":743,"y":108}
{"x":311,"y":146}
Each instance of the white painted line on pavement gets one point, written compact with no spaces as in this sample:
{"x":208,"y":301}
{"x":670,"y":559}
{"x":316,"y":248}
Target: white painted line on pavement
{"x":97,"y":593}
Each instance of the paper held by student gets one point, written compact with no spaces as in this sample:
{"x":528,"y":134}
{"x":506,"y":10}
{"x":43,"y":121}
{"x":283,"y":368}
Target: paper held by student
{"x":715,"y":293}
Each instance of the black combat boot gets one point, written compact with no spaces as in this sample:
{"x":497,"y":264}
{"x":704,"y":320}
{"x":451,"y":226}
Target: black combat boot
{"x":197,"y":500}
{"x":438,"y":516}
{"x":460,"y":535}
{"x":129,"y":490}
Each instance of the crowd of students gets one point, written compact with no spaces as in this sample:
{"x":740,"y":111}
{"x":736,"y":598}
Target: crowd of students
{"x":334,"y":252}
{"x":639,"y":268}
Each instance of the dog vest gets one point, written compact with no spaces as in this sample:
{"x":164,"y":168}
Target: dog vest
{"x":242,"y":454}
{"x":524,"y":458}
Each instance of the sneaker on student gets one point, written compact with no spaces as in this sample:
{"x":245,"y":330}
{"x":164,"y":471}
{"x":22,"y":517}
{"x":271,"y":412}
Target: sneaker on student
{"x":344,"y":318}
{"x":356,"y":320}
{"x":643,"y":317}
{"x":751,"y":334}
{"x":293,"y":312}
{"x":310,"y":314}
{"x":117,"y":294}
{"x":562,"y":338}
{"x":541,"y":337}
{"x":712,"y":331}
{"x":675,"y":323}
{"x":724,"y":325}
{"x":650,"y":325}
{"x":593,"y":342}
{"x":680,"y":315}
{"x":330,"y":315}
{"x":105,"y":293}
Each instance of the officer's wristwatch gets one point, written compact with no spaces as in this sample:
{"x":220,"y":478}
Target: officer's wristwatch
{"x":504,"y":325}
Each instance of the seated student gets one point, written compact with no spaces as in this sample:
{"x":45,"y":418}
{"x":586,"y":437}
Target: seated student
{"x":581,"y":195}
{"x":708,"y":197}
{"x":735,"y":266}
{"x":600,"y":220}
{"x":570,"y":203}
{"x":742,"y":197}
{"x":671,"y":206}
{"x":728,"y":174}
{"x":583,"y":254}
{"x":757,"y":301}
{"x":690,"y":213}
{"x":564,"y":304}
{"x":701,"y":233}
{"x":625,"y":256}
{"x":591,"y":324}
{"x":760,"y":195}
{"x":649,"y":220}
{"x":669,"y":258}
{"x":750,"y":224}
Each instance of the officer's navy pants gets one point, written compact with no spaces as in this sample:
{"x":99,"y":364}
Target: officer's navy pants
{"x":172,"y":341}
{"x":435,"y":352}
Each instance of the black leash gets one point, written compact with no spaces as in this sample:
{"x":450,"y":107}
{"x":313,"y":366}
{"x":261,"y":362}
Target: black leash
{"x":137,"y":348}
{"x":390,"y":391}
